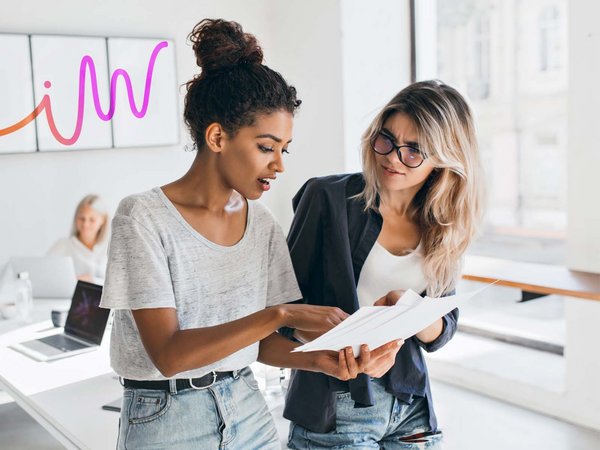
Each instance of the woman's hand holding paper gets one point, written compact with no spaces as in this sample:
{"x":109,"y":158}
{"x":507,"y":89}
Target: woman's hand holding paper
{"x":382,"y":358}
{"x":345,"y":366}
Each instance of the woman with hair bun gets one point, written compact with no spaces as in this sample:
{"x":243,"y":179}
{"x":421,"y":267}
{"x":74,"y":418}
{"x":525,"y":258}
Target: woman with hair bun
{"x":403,"y":223}
{"x":198,"y":273}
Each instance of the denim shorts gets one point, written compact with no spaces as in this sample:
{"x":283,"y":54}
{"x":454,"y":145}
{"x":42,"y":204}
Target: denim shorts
{"x":231,"y":414}
{"x":388,"y":424}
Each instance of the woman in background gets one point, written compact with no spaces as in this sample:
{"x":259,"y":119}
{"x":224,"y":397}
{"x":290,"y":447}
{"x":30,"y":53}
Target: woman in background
{"x":403,"y":223}
{"x":87,"y":244}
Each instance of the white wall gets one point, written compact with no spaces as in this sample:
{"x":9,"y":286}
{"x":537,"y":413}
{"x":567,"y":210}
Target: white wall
{"x":306,"y":49}
{"x":347,"y":61}
{"x":376,"y":65}
{"x":583,"y":362}
{"x":312,"y":43}
{"x":583,"y":142}
{"x":40,"y":191}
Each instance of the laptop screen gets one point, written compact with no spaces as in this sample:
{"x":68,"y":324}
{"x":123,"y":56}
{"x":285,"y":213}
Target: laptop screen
{"x":86,"y":320}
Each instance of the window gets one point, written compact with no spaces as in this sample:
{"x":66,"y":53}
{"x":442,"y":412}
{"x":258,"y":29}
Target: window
{"x":509,"y":59}
{"x":550,"y":40}
{"x":517,"y":86}
{"x":479,"y":83}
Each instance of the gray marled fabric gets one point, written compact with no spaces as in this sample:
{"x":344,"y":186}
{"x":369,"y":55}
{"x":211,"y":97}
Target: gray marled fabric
{"x":157,"y":260}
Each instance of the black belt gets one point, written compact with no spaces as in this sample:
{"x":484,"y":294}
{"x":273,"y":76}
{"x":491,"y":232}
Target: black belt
{"x":181,"y":383}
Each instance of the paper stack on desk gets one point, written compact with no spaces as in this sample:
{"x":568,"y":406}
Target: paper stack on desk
{"x":378,"y":325}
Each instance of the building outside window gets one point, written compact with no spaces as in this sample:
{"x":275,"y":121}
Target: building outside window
{"x":509,"y":58}
{"x":550,"y":38}
{"x":479,"y":82}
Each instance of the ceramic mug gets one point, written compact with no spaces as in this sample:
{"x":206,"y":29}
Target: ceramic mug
{"x":8,"y":310}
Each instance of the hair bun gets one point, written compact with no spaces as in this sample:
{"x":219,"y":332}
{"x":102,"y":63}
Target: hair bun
{"x":221,"y":44}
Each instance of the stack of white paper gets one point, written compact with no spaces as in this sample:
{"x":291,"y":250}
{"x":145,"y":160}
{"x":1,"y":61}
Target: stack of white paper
{"x":378,"y":325}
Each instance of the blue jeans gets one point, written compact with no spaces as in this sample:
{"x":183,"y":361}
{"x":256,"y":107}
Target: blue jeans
{"x":388,"y":424}
{"x":231,"y":414}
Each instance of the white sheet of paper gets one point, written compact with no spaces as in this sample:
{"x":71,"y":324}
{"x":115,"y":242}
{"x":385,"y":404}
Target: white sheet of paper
{"x":378,"y":325}
{"x":363,"y":321}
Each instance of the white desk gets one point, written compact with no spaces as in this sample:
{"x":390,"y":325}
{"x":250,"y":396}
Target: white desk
{"x":64,"y":396}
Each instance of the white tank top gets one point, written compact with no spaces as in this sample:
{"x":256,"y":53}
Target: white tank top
{"x":384,"y":272}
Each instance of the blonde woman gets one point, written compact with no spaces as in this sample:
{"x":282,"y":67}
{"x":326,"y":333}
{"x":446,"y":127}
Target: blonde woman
{"x":87,"y":243}
{"x":360,"y":239}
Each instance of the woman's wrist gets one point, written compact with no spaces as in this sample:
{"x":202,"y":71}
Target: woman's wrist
{"x":282,"y":316}
{"x":313,"y":361}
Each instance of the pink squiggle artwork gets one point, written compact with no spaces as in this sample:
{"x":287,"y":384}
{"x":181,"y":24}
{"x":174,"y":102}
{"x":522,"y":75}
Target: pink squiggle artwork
{"x":87,"y":65}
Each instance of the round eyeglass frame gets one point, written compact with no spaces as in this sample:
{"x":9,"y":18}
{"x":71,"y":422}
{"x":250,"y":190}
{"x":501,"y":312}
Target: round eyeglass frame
{"x":397,"y":148}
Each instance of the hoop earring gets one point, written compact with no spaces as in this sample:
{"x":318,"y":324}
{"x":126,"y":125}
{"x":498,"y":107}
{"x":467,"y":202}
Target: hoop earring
{"x":190,"y":148}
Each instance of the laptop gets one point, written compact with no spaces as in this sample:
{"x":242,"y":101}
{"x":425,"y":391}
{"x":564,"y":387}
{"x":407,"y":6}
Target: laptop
{"x":83,"y":330}
{"x":51,"y":276}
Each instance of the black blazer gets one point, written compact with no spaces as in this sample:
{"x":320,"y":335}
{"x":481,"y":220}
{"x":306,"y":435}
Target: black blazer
{"x":329,"y":240}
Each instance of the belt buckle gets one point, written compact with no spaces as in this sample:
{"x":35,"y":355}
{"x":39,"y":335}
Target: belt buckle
{"x":199,"y":388}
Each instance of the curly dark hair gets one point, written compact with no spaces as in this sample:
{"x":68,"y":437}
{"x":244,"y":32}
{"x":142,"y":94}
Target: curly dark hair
{"x":233,"y":86}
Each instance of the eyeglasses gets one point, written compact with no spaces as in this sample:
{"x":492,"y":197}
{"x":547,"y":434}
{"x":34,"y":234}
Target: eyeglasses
{"x":411,"y":157}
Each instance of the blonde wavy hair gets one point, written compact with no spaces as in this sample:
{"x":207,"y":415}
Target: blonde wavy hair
{"x":448,"y":208}
{"x":95,"y":202}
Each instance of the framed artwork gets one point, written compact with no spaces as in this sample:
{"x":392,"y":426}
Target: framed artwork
{"x":16,"y":95}
{"x":146,"y":110}
{"x":72,"y":72}
{"x":86,"y":93}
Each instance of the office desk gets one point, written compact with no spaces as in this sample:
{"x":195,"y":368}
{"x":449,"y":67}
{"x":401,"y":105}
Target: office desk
{"x":65,"y":396}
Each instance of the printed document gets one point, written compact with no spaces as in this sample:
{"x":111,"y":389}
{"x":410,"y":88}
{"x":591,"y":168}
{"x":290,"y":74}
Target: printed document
{"x":378,"y":325}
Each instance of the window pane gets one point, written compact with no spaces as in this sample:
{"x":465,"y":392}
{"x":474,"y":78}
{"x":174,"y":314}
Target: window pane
{"x":509,"y":59}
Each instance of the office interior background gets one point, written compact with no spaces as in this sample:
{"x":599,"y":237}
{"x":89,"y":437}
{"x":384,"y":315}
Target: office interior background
{"x":530,"y":71}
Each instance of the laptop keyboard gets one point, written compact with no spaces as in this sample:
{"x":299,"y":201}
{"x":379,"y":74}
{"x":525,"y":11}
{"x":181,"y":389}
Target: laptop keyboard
{"x":62,"y":342}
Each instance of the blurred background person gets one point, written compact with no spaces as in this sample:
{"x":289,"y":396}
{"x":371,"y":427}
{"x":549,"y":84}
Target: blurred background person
{"x":87,"y":244}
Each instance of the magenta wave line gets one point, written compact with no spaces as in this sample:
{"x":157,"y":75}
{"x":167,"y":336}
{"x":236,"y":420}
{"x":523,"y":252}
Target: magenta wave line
{"x":113,"y":86}
{"x":88,"y":63}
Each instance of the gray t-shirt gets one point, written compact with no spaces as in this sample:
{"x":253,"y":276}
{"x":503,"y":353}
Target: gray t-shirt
{"x":157,"y":260}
